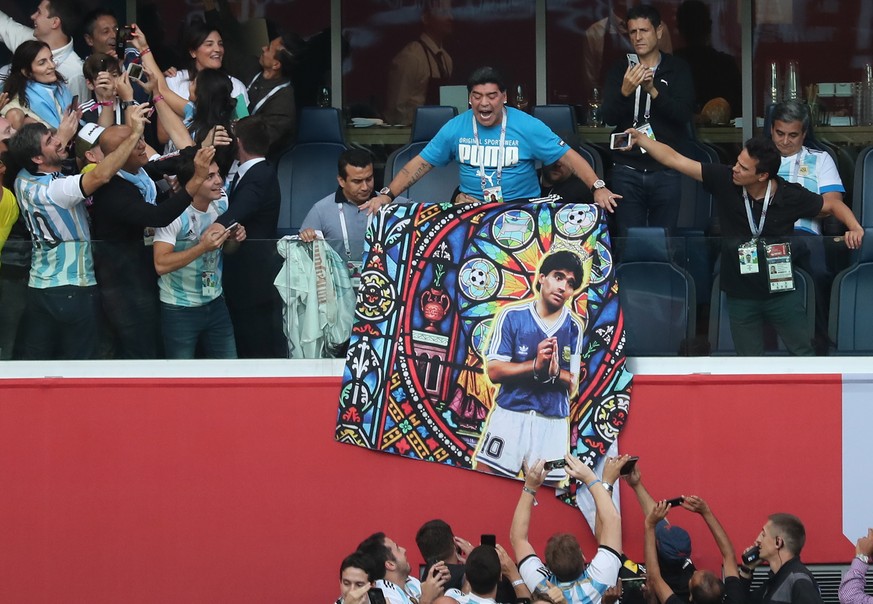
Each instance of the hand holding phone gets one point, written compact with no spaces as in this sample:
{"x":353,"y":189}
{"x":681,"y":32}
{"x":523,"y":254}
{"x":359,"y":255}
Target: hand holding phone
{"x":675,"y":502}
{"x":134,"y":70}
{"x":375,"y":596}
{"x":554,"y":464}
{"x":628,"y":467}
{"x":619,"y":140}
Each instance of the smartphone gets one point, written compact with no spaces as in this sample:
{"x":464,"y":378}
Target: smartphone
{"x":126,"y":32}
{"x":232,"y":229}
{"x":488,"y":540}
{"x":74,"y":104}
{"x":675,"y":502}
{"x":122,"y":37}
{"x":163,"y":186}
{"x":554,"y":464}
{"x":629,"y":466}
{"x":633,"y":59}
{"x":134,"y":70}
{"x":619,"y":140}
{"x":375,"y":596}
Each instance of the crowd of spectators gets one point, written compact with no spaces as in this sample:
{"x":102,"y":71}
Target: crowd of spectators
{"x":457,"y":572}
{"x":94,"y":263}
{"x":110,"y":247}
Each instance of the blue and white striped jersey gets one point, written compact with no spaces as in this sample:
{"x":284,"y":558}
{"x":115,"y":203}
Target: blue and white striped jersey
{"x":187,"y":286}
{"x":588,"y":588}
{"x":52,"y":207}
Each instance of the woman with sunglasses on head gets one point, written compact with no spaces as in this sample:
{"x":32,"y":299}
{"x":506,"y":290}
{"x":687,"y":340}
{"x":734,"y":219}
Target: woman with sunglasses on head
{"x":205,"y":46}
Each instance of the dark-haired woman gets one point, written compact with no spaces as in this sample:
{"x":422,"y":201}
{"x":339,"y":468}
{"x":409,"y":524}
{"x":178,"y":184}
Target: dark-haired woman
{"x":37,"y":92}
{"x":205,"y":46}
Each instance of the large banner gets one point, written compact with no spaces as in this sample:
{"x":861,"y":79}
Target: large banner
{"x":485,"y":334}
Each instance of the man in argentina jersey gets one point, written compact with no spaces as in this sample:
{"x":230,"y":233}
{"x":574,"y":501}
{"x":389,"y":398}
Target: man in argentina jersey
{"x":60,"y":320}
{"x":816,"y":171}
{"x":391,"y":569}
{"x":483,"y":573}
{"x":188,"y":257}
{"x":813,"y":169}
{"x":534,"y":357}
{"x":565,"y":564}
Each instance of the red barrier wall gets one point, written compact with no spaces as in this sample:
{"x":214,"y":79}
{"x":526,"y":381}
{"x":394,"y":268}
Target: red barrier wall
{"x":233,"y":490}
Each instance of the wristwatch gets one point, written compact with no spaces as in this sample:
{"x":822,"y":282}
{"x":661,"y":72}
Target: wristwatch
{"x":387,"y":192}
{"x":863,"y":558}
{"x":598,"y":184}
{"x":126,"y":104}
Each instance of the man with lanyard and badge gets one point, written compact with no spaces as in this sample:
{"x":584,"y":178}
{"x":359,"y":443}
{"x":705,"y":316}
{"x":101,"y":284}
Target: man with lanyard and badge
{"x":757,"y":210}
{"x":652,"y":92}
{"x":339,"y":217}
{"x":605,"y":41}
{"x":271,"y":96}
{"x":188,"y":258}
{"x":496,"y":148}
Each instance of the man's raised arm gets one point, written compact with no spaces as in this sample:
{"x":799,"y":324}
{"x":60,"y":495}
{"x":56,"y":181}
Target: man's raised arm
{"x":654,"y":578}
{"x":666,"y":155}
{"x":728,"y":555}
{"x":608,"y":520}
{"x":635,"y":481}
{"x":518,"y":532}
{"x":114,"y":161}
{"x":852,"y":586}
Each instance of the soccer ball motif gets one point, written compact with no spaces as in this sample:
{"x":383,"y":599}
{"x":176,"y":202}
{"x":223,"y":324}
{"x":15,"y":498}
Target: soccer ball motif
{"x":479,"y":279}
{"x":574,"y":220}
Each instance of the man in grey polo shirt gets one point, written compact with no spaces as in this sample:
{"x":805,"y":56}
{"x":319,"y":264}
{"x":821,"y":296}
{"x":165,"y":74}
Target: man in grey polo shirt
{"x":338,"y":216}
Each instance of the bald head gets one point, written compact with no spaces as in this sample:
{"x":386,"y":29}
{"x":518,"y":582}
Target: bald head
{"x":113,"y":136}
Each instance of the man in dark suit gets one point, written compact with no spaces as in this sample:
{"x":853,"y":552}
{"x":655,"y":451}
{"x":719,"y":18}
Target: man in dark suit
{"x":254,"y":303}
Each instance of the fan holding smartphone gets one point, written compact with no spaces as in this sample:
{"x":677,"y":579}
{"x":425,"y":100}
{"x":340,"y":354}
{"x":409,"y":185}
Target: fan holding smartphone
{"x":670,"y":571}
{"x":357,"y":585}
{"x":654,"y":93}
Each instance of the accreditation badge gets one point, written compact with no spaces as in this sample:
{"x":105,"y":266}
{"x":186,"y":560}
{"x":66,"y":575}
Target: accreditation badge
{"x":354,"y":273}
{"x":646,"y":129}
{"x":208,"y":283}
{"x":779,"y":272}
{"x":492,"y":193}
{"x":748,"y":253}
